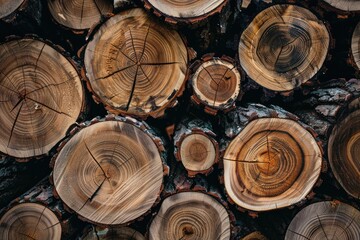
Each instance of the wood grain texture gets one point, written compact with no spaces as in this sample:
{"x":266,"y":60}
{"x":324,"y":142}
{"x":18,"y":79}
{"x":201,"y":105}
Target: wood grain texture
{"x":135,"y":65}
{"x":355,"y":45}
{"x":190,"y":215}
{"x":9,"y":6}
{"x":345,"y":5}
{"x":186,"y":10}
{"x":255,"y":236}
{"x":79,"y":14}
{"x":216,"y":83}
{"x":325,"y":220}
{"x":283,"y":47}
{"x":29,"y":221}
{"x":110,"y":172}
{"x":272,"y":163}
{"x":41,"y":96}
{"x":120,"y":233}
{"x":344,"y":153}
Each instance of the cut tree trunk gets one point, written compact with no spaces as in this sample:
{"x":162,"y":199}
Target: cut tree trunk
{"x":135,"y":65}
{"x":355,"y":46}
{"x":325,"y":220}
{"x":283,"y":47}
{"x":273,"y":162}
{"x":41,"y":97}
{"x":110,"y":172}
{"x":7,"y":7}
{"x":215,"y":83}
{"x":188,"y":11}
{"x":345,"y":5}
{"x":79,"y":14}
{"x":196,"y":147}
{"x":191,"y":215}
{"x":255,"y":236}
{"x":121,"y":233}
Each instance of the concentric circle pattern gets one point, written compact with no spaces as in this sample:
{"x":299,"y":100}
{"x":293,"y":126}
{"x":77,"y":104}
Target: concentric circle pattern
{"x":197,"y":152}
{"x":79,"y":14}
{"x":109,"y":173}
{"x":9,"y":6}
{"x":217,"y":83}
{"x":355,"y":45}
{"x":29,"y":221}
{"x":120,"y":233}
{"x":272,"y":163}
{"x":190,"y":215}
{"x":283,"y":47}
{"x":41,"y":96}
{"x":135,"y":65}
{"x":344,"y":153}
{"x":325,"y":220}
{"x":185,"y":8}
{"x":345,"y":5}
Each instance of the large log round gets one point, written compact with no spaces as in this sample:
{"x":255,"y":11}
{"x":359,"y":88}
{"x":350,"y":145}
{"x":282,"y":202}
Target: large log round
{"x":345,"y":5}
{"x":190,"y":215}
{"x":41,"y":96}
{"x":344,"y":153}
{"x":272,"y":163}
{"x":135,"y":65}
{"x":325,"y":220}
{"x":110,"y":172}
{"x":283,"y":47}
{"x":29,"y":221}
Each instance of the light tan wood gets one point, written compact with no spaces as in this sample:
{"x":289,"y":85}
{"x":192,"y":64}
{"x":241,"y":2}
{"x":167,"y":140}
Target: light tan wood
{"x":135,"y":65}
{"x":216,"y":83}
{"x":355,"y":45}
{"x":344,"y":153}
{"x":184,"y":9}
{"x":118,"y":233}
{"x":79,"y":14}
{"x":255,"y":236}
{"x":283,"y":47}
{"x":41,"y":96}
{"x":272,"y":163}
{"x":109,"y":173}
{"x":9,"y":6}
{"x":345,"y":5}
{"x":190,"y":215}
{"x":29,"y":221}
{"x":325,"y":220}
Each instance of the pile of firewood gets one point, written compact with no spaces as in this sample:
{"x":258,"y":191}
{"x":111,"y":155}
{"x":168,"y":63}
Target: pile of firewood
{"x":165,"y":119}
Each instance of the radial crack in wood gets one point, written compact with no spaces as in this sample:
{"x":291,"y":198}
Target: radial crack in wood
{"x":283,"y":47}
{"x":325,"y":220}
{"x":293,"y":164}
{"x":79,"y":14}
{"x":144,"y":67}
{"x":109,"y":173}
{"x":344,"y":153}
{"x":44,"y":97}
{"x":29,"y":221}
{"x":190,"y":215}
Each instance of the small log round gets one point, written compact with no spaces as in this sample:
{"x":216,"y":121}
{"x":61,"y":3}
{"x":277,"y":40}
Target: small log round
{"x":345,"y":5}
{"x":355,"y":45}
{"x":110,"y":172}
{"x":283,"y":47}
{"x":344,"y":153}
{"x":196,"y":147}
{"x":7,"y":7}
{"x":79,"y":14}
{"x":190,"y":11}
{"x":135,"y":65}
{"x":41,"y":97}
{"x":216,"y":84}
{"x":121,"y":233}
{"x":325,"y":220}
{"x":272,"y":163}
{"x":29,"y":221}
{"x":190,"y":215}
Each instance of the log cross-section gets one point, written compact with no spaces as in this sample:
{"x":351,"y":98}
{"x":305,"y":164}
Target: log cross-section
{"x":190,"y":215}
{"x":7,"y":7}
{"x":110,"y":172}
{"x":355,"y":45}
{"x":121,"y":233}
{"x":345,"y":5}
{"x":30,"y":221}
{"x":272,"y":163}
{"x":41,"y":96}
{"x":135,"y":65}
{"x":283,"y":47}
